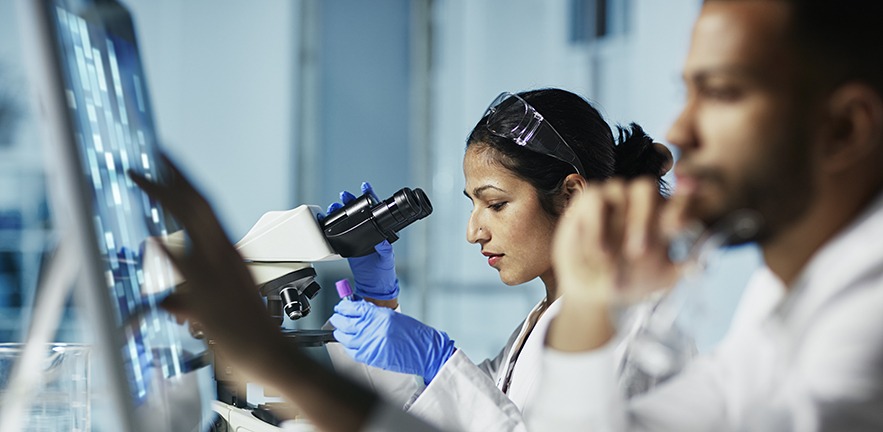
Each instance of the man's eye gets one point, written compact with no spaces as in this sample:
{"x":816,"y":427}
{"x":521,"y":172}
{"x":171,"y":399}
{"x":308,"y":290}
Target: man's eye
{"x":720,"y":93}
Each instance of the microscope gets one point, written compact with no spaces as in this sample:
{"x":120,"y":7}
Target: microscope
{"x":279,"y":251}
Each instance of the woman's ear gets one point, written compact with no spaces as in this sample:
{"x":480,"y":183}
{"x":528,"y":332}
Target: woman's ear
{"x":574,"y":184}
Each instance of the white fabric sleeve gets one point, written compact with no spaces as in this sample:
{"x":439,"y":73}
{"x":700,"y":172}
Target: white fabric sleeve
{"x":388,"y":418}
{"x":397,"y":388}
{"x":463,"y":397}
{"x":578,"y":392}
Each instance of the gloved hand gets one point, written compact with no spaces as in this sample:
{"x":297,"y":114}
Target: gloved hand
{"x":384,"y":338}
{"x":375,"y":273}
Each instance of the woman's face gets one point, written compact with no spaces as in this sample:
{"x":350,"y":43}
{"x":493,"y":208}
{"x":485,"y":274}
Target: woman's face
{"x":507,"y":220}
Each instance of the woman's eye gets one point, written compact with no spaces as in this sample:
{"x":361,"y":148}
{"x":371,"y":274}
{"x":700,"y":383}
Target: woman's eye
{"x":497,"y":206}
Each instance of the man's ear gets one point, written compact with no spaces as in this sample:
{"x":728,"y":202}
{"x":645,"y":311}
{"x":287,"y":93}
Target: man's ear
{"x":856,"y":114}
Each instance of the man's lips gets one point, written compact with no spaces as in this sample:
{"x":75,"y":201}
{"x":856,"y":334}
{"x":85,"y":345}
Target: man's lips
{"x":686,"y":184}
{"x":688,"y":181}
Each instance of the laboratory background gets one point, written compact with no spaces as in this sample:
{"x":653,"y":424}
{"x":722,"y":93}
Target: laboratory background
{"x":272,"y":104}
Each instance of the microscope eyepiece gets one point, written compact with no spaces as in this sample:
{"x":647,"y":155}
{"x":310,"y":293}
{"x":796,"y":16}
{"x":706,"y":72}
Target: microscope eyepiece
{"x":404,"y":207}
{"x":355,"y":228}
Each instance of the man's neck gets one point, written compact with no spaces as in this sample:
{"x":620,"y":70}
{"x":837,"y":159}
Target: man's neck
{"x":789,"y":251}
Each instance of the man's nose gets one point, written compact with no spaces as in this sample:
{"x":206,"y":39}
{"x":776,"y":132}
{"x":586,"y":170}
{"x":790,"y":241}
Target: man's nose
{"x":682,"y":133}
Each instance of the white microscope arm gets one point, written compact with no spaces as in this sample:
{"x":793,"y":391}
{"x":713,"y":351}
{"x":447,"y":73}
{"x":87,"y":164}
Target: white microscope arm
{"x":279,"y":243}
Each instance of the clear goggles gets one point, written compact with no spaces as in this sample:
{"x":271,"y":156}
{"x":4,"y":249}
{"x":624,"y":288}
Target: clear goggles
{"x":509,"y":116}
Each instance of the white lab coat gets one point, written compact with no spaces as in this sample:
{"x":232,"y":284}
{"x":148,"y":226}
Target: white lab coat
{"x":806,"y":358}
{"x":465,"y":396}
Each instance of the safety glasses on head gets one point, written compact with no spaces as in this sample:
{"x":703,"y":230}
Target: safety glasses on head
{"x":509,"y":116}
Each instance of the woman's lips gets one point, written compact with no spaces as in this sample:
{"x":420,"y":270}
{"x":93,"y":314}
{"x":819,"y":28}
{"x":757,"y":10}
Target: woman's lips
{"x":492,"y":258}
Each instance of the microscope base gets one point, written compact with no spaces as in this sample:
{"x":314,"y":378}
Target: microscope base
{"x":244,"y":420}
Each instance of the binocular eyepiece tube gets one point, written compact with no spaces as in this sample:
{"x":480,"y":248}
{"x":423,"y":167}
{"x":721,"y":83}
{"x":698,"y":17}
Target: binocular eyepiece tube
{"x":355,"y":228}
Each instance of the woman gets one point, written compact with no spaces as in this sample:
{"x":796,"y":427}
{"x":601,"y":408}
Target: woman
{"x":527,"y":157}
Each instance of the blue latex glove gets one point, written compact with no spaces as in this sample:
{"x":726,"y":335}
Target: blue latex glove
{"x":384,"y":338}
{"x":375,"y":273}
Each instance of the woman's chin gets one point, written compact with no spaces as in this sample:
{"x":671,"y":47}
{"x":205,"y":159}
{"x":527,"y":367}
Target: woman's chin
{"x":511,"y":280}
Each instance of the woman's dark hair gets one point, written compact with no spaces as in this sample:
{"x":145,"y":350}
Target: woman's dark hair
{"x":590,"y":137}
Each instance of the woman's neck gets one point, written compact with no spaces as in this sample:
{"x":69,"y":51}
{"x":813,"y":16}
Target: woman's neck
{"x":551,"y":285}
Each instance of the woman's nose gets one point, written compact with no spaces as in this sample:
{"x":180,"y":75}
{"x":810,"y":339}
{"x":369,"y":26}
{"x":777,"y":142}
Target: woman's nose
{"x":475,"y":232}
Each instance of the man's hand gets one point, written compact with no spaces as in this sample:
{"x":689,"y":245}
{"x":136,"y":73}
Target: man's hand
{"x":220,"y":293}
{"x":610,"y":247}
{"x":222,"y":296}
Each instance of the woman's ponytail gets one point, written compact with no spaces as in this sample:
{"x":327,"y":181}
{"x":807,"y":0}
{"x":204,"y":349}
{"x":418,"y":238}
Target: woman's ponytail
{"x":637,"y":155}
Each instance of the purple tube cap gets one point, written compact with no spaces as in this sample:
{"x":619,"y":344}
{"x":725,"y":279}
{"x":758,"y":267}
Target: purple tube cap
{"x":344,"y":289}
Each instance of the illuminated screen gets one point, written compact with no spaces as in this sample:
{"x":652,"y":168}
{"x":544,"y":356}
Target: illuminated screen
{"x":108,"y":101}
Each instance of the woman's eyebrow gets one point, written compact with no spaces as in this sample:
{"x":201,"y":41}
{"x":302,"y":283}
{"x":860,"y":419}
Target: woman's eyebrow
{"x":478,"y":191}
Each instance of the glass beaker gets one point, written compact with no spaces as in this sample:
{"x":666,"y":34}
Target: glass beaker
{"x":61,"y":399}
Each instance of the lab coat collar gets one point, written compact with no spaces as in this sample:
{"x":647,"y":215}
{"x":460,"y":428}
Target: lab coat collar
{"x":852,"y":254}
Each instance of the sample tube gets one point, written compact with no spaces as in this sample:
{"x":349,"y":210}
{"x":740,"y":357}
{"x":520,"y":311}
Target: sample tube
{"x":344,"y":290}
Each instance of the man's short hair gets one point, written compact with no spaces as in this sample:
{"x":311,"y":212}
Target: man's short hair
{"x":838,"y":40}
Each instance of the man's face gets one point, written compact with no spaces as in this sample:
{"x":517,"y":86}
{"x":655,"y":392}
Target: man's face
{"x":742,"y":132}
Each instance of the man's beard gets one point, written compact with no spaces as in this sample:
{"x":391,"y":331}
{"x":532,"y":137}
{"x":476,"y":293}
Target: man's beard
{"x":776,"y":191}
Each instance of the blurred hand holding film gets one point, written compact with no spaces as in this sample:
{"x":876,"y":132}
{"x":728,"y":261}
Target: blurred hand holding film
{"x":610,"y":248}
{"x":622,"y":247}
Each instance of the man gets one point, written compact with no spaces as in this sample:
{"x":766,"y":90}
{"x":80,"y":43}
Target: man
{"x":783,"y":118}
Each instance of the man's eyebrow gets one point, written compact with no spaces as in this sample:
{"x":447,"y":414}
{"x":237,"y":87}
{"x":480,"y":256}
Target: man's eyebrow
{"x":700,"y":75}
{"x":478,"y":191}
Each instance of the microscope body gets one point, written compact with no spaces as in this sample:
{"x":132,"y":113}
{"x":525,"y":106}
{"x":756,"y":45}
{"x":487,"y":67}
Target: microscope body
{"x":279,"y":251}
